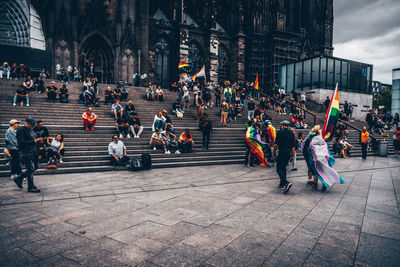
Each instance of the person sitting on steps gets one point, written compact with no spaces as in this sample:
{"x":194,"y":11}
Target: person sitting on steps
{"x":117,"y":152}
{"x":108,"y":96}
{"x":89,"y":119}
{"x":160,"y":94}
{"x":52,"y":91}
{"x":135,"y":126}
{"x":21,"y":96}
{"x":149,"y":94}
{"x":123,"y":128}
{"x":63,"y":93}
{"x":56,"y":147}
{"x":186,"y":141}
{"x":170,"y":141}
{"x":157,"y":141}
{"x":117,"y":111}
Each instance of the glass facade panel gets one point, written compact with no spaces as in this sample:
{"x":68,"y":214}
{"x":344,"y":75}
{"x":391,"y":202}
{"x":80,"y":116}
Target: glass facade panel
{"x":323,"y":73}
{"x":337,"y":73}
{"x":299,"y":76}
{"x":283,"y":76}
{"x":315,"y":73}
{"x":345,"y":76}
{"x":307,"y":75}
{"x":331,"y":65}
{"x":290,"y":78}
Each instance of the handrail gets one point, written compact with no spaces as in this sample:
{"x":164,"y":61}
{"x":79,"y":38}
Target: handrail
{"x":306,"y":111}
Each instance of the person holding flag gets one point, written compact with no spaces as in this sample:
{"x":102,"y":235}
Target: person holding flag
{"x":256,"y":90}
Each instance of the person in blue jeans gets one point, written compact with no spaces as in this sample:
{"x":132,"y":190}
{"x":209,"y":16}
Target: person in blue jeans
{"x":251,"y":106}
{"x":21,"y":96}
{"x":170,"y":141}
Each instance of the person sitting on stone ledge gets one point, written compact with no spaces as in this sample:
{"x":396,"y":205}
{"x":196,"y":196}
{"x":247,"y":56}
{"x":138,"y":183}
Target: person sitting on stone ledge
{"x":55,"y":147}
{"x":170,"y":141}
{"x":177,"y":108}
{"x":157,"y":141}
{"x":86,"y":84}
{"x":159,"y":121}
{"x":149,"y":93}
{"x":186,"y":142}
{"x":109,"y":96}
{"x":28,"y":83}
{"x":123,"y":128}
{"x":63,"y":93}
{"x":129,"y":109}
{"x":52,"y":91}
{"x":89,"y":119}
{"x":39,"y":85}
{"x":90,"y":97}
{"x":160,"y":94}
{"x":117,"y":111}
{"x":135,"y":126}
{"x":117,"y":93}
{"x":21,"y":96}
{"x":117,"y":152}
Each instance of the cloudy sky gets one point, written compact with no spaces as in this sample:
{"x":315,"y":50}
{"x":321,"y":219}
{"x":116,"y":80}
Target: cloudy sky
{"x":369,"y":31}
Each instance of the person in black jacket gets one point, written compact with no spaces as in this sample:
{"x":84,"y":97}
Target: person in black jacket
{"x":206,"y":128}
{"x":370,"y":120}
{"x":285,"y":143}
{"x":28,"y":150}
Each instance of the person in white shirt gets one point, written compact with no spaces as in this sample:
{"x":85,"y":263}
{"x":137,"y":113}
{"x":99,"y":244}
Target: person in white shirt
{"x":117,"y":110}
{"x":157,"y":141}
{"x":159,"y":94}
{"x":186,"y":97}
{"x":159,"y":121}
{"x":303,"y":100}
{"x":117,"y":152}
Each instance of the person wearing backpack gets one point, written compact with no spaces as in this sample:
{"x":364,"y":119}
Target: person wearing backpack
{"x":117,"y":152}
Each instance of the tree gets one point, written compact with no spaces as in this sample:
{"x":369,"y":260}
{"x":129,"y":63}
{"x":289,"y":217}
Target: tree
{"x":384,"y":98}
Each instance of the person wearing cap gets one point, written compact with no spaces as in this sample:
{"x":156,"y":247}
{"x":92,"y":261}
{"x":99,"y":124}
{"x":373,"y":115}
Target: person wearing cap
{"x":52,"y":91}
{"x":12,"y":147}
{"x":27,"y":147}
{"x":21,"y":96}
{"x":186,"y":139}
{"x":135,"y":126}
{"x":89,"y":119}
{"x":285,"y":143}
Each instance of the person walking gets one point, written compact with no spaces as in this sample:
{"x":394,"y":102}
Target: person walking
{"x":12,"y":147}
{"x":364,"y":142}
{"x":285,"y":144}
{"x":206,"y":129}
{"x":28,"y":151}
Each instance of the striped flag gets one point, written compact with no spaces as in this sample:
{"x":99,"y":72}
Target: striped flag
{"x":183,"y":65}
{"x":256,"y":83}
{"x":332,"y":116}
{"x":201,"y":73}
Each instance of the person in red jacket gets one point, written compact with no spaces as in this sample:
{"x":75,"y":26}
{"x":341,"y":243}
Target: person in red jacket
{"x":89,"y":119}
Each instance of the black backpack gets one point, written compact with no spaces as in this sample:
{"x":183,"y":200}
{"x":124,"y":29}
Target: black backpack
{"x":52,"y":163}
{"x":146,"y":161}
{"x":136,"y":165}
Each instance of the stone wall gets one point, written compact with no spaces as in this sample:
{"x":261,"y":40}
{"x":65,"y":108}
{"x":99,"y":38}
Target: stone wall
{"x":362,"y":103}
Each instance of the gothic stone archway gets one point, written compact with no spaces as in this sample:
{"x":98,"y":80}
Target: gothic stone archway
{"x":96,"y":50}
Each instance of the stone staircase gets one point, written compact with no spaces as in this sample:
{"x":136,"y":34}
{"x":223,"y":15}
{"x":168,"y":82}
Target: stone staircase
{"x":87,"y":151}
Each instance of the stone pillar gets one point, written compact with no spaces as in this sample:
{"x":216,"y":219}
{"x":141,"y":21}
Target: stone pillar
{"x":214,"y":43}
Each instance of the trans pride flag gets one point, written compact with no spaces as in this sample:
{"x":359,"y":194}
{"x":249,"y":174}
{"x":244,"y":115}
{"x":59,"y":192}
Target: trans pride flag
{"x":321,"y":161}
{"x":257,"y":146}
{"x":332,"y":116}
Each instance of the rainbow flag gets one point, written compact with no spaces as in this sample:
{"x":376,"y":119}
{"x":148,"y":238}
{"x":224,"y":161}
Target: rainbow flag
{"x":257,"y":146}
{"x":183,"y":65}
{"x":256,"y":83}
{"x":201,"y":73}
{"x":332,"y":116}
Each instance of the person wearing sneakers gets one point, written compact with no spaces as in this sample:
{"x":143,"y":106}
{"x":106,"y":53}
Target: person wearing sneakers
{"x":157,"y":141}
{"x":12,"y":147}
{"x":89,"y":119}
{"x":29,"y":155}
{"x":117,"y":152}
{"x":21,"y":96}
{"x":170,"y":141}
{"x":135,"y":126}
{"x":285,"y":143}
{"x":56,"y":147}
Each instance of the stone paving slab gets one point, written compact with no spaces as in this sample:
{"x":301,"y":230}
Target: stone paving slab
{"x":215,"y":216}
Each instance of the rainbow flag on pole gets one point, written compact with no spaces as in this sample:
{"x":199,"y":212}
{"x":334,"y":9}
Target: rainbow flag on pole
{"x":183,"y":65}
{"x":256,"y":83}
{"x":332,"y":116}
{"x":257,"y":146}
{"x":201,"y":73}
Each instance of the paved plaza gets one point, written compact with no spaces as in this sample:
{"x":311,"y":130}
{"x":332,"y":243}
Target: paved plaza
{"x":228,"y":215}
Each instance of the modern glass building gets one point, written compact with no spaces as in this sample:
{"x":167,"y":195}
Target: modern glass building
{"x":396,"y":91}
{"x":324,"y":72}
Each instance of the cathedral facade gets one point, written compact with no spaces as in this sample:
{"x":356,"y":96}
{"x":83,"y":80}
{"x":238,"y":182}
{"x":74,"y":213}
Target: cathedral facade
{"x":234,"y":39}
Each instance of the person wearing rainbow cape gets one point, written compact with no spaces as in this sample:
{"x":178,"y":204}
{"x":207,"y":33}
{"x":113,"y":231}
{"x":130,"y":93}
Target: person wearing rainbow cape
{"x":319,"y":160}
